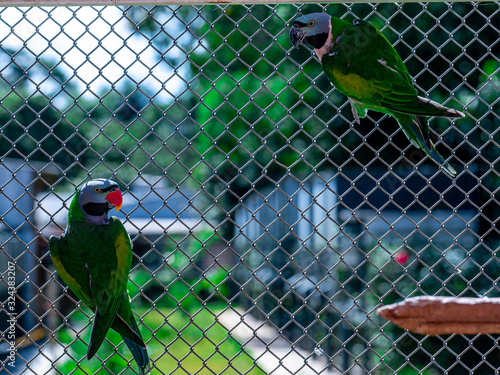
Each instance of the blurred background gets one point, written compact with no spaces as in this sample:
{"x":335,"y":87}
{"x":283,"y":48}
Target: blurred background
{"x":253,"y":198}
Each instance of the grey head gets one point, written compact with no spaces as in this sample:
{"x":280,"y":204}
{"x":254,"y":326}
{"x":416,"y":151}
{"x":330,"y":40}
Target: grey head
{"x":312,"y":29}
{"x":97,"y":198}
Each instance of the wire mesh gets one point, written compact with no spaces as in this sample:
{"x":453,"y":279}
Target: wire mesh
{"x":268,"y":226}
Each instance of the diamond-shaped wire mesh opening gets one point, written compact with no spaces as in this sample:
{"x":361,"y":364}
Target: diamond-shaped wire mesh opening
{"x":268,"y":226}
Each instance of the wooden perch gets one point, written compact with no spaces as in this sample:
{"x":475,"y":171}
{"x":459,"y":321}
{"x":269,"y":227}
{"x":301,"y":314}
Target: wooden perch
{"x":445,"y":315}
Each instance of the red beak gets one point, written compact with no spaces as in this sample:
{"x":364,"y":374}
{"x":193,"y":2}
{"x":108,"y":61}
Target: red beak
{"x":115,"y":198}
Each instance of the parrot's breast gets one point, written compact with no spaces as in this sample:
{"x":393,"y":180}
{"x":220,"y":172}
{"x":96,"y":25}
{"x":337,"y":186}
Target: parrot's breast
{"x":352,"y":85}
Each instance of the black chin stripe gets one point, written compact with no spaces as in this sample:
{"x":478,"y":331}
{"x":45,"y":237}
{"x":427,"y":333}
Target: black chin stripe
{"x":318,"y":40}
{"x":95,"y":209}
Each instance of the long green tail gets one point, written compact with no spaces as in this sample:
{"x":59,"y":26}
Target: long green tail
{"x":139,"y":353}
{"x":126,"y":326}
{"x":419,"y":137}
{"x":103,"y":319}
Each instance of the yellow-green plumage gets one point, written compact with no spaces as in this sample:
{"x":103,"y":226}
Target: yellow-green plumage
{"x":93,"y":257}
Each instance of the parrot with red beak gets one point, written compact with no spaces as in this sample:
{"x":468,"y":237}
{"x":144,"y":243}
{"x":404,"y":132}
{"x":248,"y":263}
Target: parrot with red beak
{"x":93,"y":256}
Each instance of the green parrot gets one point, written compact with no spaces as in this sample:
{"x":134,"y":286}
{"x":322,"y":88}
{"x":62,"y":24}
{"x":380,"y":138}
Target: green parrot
{"x":93,"y":256}
{"x":361,"y":63}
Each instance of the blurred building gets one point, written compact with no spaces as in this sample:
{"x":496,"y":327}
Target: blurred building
{"x":323,"y":243}
{"x":20,"y":182}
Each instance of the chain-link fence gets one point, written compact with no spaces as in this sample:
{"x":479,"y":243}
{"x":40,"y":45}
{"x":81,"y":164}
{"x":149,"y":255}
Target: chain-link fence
{"x":268,"y":226}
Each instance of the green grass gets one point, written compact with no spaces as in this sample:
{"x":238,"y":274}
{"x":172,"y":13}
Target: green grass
{"x":182,"y":343}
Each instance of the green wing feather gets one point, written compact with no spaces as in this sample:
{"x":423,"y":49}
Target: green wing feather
{"x":365,"y":67}
{"x":122,"y":324}
{"x":67,"y":266}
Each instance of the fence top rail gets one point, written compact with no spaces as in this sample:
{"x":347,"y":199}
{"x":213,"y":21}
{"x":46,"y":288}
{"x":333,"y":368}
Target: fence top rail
{"x":21,"y":3}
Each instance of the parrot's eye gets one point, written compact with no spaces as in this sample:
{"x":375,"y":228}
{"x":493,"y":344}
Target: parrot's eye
{"x":311,"y":23}
{"x":97,"y":190}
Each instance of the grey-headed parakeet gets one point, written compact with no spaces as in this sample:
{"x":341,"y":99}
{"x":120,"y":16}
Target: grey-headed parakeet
{"x":93,"y":256}
{"x":362,"y":64}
